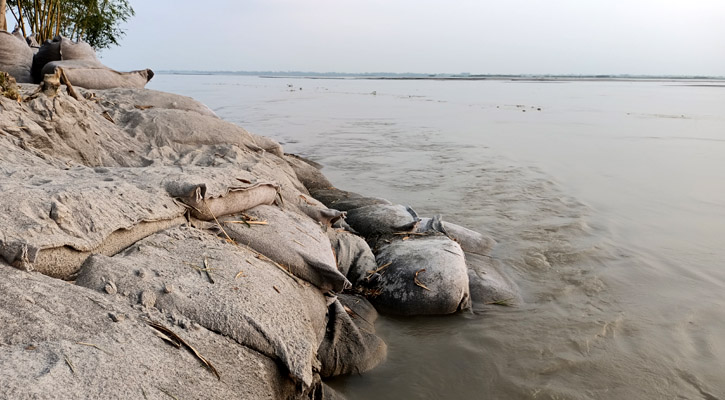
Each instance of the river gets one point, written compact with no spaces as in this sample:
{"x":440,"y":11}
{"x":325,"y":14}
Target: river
{"x":607,"y":199}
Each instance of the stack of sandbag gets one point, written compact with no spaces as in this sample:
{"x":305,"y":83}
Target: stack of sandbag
{"x":487,"y":282}
{"x":294,"y":241}
{"x":61,"y":340}
{"x":16,"y":57}
{"x":82,"y":67}
{"x":53,"y":218}
{"x":224,"y":288}
{"x":350,"y":345}
{"x":421,"y":265}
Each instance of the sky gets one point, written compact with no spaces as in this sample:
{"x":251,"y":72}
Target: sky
{"x":648,"y":37}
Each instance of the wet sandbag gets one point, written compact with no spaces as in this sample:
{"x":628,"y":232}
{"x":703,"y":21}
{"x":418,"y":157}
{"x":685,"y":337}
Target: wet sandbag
{"x":49,"y":51}
{"x":307,"y":172}
{"x":93,"y":75}
{"x":224,"y":288}
{"x":69,"y":342}
{"x":350,"y":345}
{"x":343,"y":200}
{"x":470,"y":241}
{"x":381,"y":219}
{"x":355,"y":260}
{"x":219,"y":192}
{"x":424,"y":275}
{"x":294,"y":241}
{"x":488,"y":284}
{"x":325,"y":216}
{"x":16,"y":57}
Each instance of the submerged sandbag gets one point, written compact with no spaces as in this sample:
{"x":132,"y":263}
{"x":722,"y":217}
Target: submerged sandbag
{"x":292,"y":240}
{"x":343,"y":200}
{"x":354,"y":258}
{"x":16,"y":57}
{"x":350,"y":345}
{"x":222,"y":287}
{"x":470,"y":241}
{"x":421,"y":275}
{"x":59,"y":340}
{"x":488,"y":283}
{"x":382,"y":219}
{"x":93,"y":75}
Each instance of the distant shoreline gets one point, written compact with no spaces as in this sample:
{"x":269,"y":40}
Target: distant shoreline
{"x":452,"y":77}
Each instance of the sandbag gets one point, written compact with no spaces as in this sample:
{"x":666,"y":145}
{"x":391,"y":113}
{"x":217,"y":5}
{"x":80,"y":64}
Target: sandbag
{"x":222,"y":287}
{"x":424,"y":275}
{"x":380,"y":219}
{"x":292,"y":240}
{"x":209,"y":200}
{"x":49,"y":51}
{"x":350,"y":345}
{"x":343,"y":200}
{"x":71,"y":212}
{"x":70,"y":50}
{"x":325,"y":216}
{"x":354,"y":258}
{"x":149,"y":99}
{"x":65,"y":341}
{"x":93,"y":75}
{"x":16,"y":57}
{"x":307,"y":173}
{"x":470,"y":241}
{"x":488,"y":284}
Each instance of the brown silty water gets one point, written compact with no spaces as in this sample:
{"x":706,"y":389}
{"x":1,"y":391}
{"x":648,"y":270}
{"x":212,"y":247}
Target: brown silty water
{"x":607,"y":200}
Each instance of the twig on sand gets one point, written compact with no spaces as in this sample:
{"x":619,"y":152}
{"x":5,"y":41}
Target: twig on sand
{"x":349,"y":312}
{"x":107,"y":116}
{"x":229,"y":239}
{"x":173,"y":336}
{"x":247,"y":222}
{"x":69,"y":87}
{"x":239,"y":274}
{"x":166,"y":392}
{"x":418,"y":282}
{"x":299,"y":229}
{"x":70,"y":364}
{"x":208,"y":271}
{"x":95,"y":346}
{"x":286,"y":271}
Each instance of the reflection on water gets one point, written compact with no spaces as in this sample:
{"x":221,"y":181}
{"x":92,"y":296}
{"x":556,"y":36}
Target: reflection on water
{"x":607,"y":200}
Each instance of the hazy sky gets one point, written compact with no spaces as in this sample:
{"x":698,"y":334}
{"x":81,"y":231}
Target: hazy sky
{"x":685,"y":37}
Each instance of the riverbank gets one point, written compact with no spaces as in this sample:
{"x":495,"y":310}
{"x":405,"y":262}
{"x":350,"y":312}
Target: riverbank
{"x":605,"y":205}
{"x":150,"y":236}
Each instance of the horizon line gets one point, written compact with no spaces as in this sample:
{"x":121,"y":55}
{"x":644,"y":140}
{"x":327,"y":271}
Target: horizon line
{"x":460,"y":75}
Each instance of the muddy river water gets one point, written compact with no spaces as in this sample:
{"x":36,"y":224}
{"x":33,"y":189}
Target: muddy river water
{"x":607,"y":200}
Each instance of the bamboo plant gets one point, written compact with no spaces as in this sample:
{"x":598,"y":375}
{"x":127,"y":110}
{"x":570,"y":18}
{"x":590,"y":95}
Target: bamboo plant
{"x":94,"y":21}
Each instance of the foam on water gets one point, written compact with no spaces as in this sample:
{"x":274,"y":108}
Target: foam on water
{"x":607,"y":200}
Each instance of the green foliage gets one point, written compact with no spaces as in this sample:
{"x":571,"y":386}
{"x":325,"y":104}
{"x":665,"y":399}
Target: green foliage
{"x":93,"y":21}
